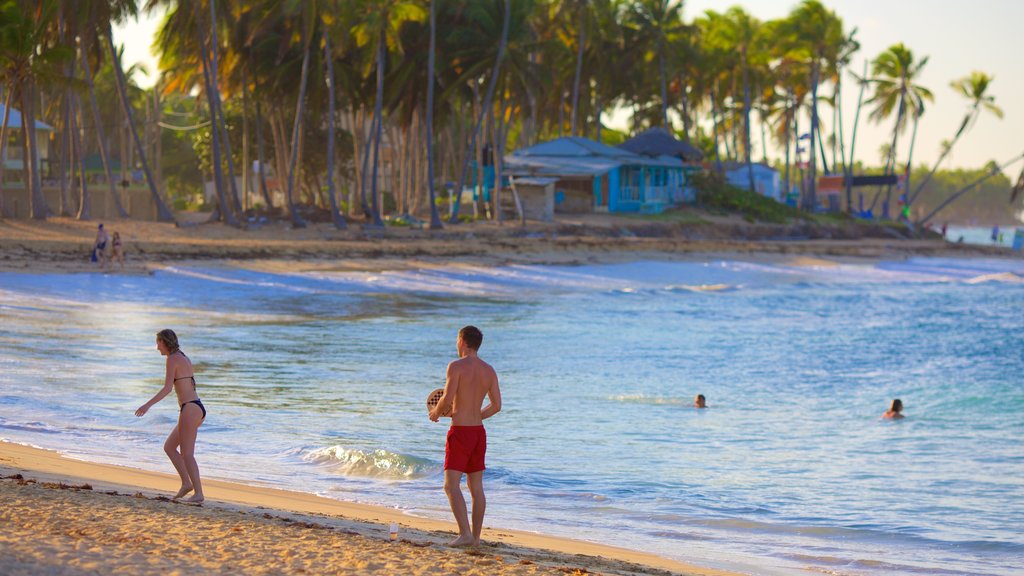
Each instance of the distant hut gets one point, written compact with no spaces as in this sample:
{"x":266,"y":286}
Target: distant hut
{"x":658,"y":143}
{"x":576,"y":175}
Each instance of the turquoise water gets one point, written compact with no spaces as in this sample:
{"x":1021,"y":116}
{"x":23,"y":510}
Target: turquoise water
{"x":316,"y":382}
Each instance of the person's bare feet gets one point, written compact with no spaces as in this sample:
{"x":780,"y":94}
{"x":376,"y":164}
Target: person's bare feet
{"x":184,"y":490}
{"x":462,"y":541}
{"x":195,"y":499}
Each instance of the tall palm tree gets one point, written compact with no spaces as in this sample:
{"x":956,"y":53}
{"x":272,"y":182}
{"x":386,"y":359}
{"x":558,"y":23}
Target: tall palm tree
{"x":492,"y":82}
{"x":975,"y":89}
{"x":121,"y":11}
{"x":435,"y":217}
{"x":895,"y":72}
{"x":339,"y":221}
{"x":379,"y":26}
{"x":813,"y":34}
{"x":30,"y":58}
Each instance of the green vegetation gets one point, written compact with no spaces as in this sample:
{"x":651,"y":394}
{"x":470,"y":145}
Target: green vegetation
{"x":331,"y":95}
{"x":715,"y":194}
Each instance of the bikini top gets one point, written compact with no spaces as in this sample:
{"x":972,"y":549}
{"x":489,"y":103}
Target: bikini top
{"x":193,"y":377}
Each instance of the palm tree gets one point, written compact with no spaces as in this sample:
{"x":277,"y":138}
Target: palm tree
{"x":488,"y":100}
{"x":339,"y":221}
{"x":435,"y":217}
{"x":895,"y":72}
{"x":813,"y":34}
{"x":30,"y":58}
{"x":975,"y":89}
{"x":300,"y":112}
{"x":121,"y":10}
{"x":379,"y":26}
{"x":658,"y":21}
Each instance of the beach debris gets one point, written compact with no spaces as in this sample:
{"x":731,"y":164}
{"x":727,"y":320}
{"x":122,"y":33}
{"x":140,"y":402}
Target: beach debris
{"x":526,"y":562}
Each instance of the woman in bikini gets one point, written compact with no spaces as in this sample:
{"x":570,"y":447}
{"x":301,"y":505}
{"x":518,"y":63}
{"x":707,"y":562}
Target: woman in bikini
{"x":181,"y":377}
{"x":117,"y":254}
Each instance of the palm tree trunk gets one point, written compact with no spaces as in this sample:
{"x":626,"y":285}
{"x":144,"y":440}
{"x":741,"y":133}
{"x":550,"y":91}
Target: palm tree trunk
{"x":746,"y":122}
{"x":663,"y":73}
{"x":579,"y":70}
{"x":339,"y":222}
{"x":786,"y":132}
{"x":300,"y":110}
{"x":224,"y":210}
{"x":714,"y":121}
{"x":37,"y":203}
{"x":810,"y":198}
{"x":821,"y":148}
{"x":221,"y":123}
{"x":8,"y":98}
{"x":261,"y":156}
{"x":378,"y":113}
{"x":995,"y":170}
{"x":84,"y":199}
{"x":101,"y":140}
{"x":910,"y":159}
{"x":942,"y":157}
{"x":853,"y":140}
{"x":163,"y":214}
{"x":435,"y":217}
{"x":891,"y":164}
{"x":491,"y":83}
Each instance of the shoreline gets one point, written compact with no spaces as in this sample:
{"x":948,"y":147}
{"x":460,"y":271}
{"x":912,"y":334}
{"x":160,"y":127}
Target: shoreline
{"x":33,"y":478}
{"x":62,"y":245}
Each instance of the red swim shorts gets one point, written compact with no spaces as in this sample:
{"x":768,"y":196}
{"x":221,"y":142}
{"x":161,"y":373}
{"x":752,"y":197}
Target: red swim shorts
{"x":465,"y":449}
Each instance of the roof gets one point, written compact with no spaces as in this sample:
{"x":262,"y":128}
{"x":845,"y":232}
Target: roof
{"x":732,"y":166}
{"x":574,"y":156}
{"x":14,"y":121}
{"x":656,"y":142}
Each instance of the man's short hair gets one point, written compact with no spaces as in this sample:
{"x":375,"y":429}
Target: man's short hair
{"x":472,"y":337}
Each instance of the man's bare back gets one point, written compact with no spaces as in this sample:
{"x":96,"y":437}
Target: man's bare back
{"x":469,"y":380}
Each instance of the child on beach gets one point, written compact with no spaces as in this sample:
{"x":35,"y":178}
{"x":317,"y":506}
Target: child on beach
{"x":468,"y":382}
{"x":180,"y":376}
{"x":117,"y":252}
{"x":895,"y":411}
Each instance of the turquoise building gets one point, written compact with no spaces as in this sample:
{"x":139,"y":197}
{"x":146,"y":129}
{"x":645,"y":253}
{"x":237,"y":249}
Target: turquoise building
{"x":587,"y":176}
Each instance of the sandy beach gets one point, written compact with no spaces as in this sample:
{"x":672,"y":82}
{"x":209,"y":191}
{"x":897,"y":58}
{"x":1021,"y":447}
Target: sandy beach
{"x":64,"y":516}
{"x":64,"y":244}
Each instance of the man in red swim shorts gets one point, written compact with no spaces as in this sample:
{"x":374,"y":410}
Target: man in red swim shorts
{"x":469,"y":380}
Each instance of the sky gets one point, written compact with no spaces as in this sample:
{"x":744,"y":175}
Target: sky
{"x":958,"y":36}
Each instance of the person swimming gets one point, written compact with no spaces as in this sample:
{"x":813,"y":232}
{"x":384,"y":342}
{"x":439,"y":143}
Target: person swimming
{"x":895,"y":411}
{"x":183,"y":435}
{"x":699,"y":401}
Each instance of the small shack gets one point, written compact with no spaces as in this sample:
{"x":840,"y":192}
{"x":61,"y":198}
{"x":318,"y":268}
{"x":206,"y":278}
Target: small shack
{"x":587,"y":176}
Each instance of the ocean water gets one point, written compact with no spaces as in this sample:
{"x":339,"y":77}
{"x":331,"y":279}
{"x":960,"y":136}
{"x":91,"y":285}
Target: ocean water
{"x":316,"y":382}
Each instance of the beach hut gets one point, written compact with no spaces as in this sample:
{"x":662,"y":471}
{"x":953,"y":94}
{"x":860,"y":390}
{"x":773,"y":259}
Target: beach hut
{"x":766,"y":179}
{"x":659,"y":143}
{"x":586,"y":176}
{"x":13,"y":154}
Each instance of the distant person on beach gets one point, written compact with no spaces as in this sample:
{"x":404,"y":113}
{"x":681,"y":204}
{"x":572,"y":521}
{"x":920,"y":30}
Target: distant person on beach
{"x":945,"y":226}
{"x":99,"y":246}
{"x":468,"y":381}
{"x":117,"y":251}
{"x":895,"y":411}
{"x":180,"y":376}
{"x":995,"y":233}
{"x":700,"y":402}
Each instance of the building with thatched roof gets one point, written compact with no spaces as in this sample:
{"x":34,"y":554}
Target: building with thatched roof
{"x":656,"y":142}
